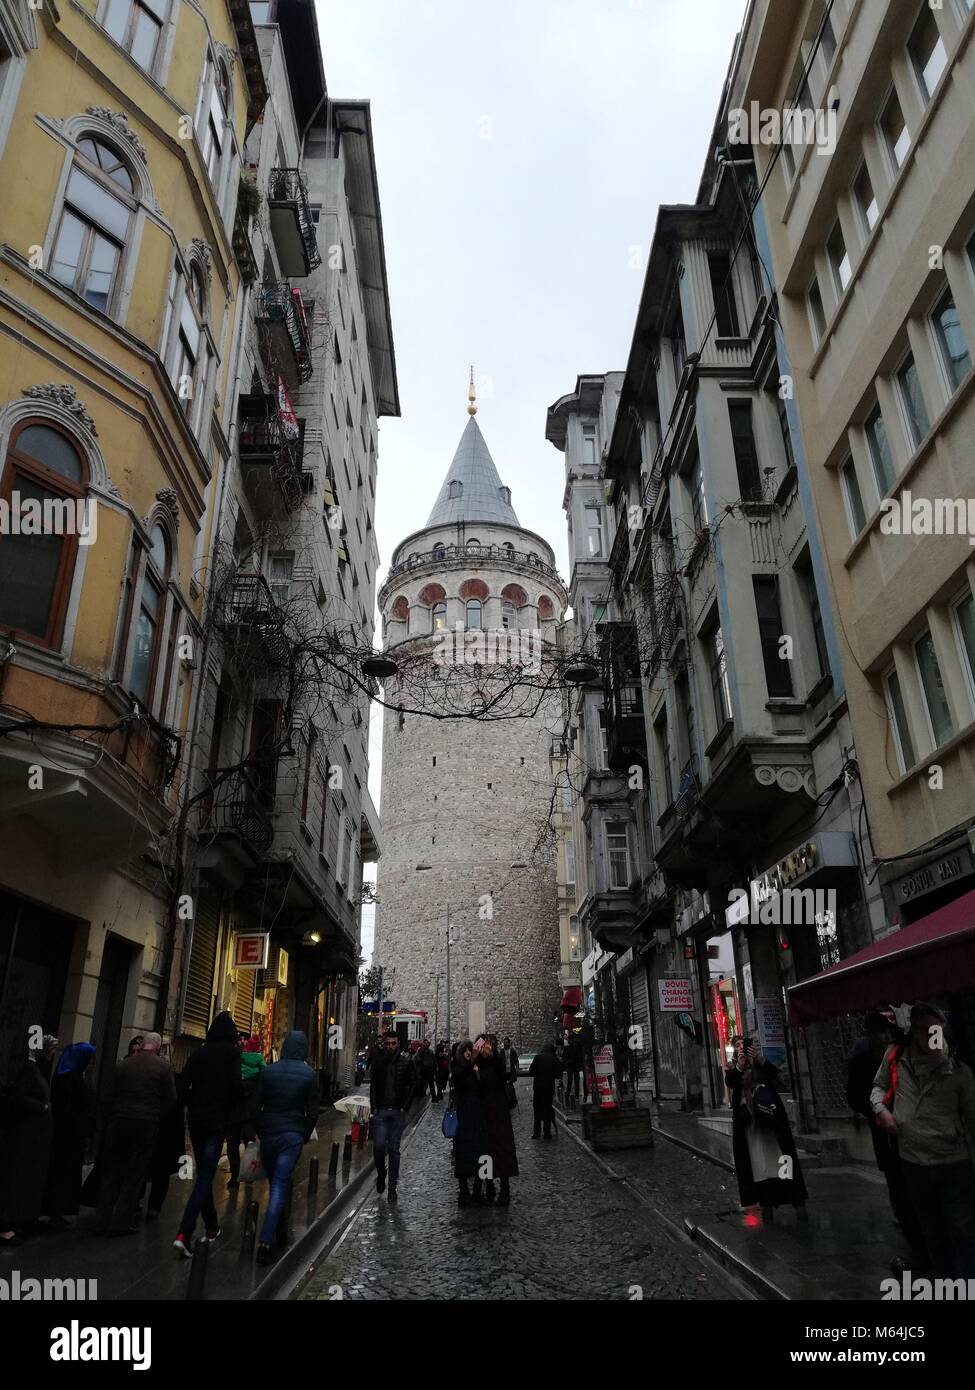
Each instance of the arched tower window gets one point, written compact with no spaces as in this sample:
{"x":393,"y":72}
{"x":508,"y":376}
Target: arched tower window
{"x":455,"y":488}
{"x":438,"y":617}
{"x":438,"y":551}
{"x":545,"y":607}
{"x":473,"y":546}
{"x":43,"y":465}
{"x":507,"y":613}
{"x":473,"y":612}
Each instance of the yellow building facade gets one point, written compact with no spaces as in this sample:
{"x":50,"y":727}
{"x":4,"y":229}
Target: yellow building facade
{"x":121,"y":131}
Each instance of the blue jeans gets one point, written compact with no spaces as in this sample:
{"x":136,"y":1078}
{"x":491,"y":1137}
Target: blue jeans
{"x":943,"y":1195}
{"x":279,"y":1154}
{"x":387,"y":1131}
{"x":206,"y":1153}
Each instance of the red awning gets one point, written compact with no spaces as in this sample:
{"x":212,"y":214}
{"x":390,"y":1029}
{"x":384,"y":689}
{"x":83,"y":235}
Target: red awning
{"x":572,"y":997}
{"x":933,"y":956}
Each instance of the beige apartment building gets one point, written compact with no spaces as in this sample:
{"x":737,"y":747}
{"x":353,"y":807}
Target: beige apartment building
{"x":871,"y":230}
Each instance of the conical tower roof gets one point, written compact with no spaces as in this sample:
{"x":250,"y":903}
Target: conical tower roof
{"x":481,"y":496}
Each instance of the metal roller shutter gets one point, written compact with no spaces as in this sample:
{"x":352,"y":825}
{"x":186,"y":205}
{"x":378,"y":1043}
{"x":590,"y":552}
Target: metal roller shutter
{"x":201,"y":966}
{"x":243,"y":1010}
{"x":640,"y":1015}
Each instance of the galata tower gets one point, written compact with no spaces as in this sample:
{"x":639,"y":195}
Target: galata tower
{"x":466,"y":802}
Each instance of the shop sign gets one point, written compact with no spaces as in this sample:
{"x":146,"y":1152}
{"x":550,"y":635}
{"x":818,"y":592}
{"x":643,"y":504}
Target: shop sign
{"x":603,"y":1061}
{"x":828,"y":849}
{"x":930,"y":877}
{"x":282,"y":966}
{"x":770,"y":1016}
{"x":594,"y":962}
{"x":624,"y":961}
{"x":250,"y":950}
{"x":675,"y":996}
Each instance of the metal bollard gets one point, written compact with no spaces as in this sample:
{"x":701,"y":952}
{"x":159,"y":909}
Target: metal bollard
{"x":347,"y":1149}
{"x":198,"y":1270}
{"x":312,"y":1177}
{"x":333,"y":1160}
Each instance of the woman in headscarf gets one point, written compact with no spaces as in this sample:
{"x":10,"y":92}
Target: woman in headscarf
{"x":471,"y":1139}
{"x":27,"y":1144}
{"x":766,"y":1162}
{"x":73,"y":1110}
{"x":492,"y":1079}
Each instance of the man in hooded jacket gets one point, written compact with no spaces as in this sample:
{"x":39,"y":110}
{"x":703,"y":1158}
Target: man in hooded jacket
{"x":285,"y":1111}
{"x":211,"y":1086}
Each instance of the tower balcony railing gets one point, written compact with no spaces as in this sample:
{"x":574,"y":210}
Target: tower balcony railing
{"x":454,"y":555}
{"x":281,"y":310}
{"x":292,"y":227}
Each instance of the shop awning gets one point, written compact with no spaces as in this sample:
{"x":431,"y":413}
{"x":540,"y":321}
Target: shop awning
{"x":935,"y":955}
{"x":572,"y":997}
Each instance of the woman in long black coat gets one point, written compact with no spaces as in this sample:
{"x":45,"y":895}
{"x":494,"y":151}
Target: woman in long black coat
{"x":761,"y":1136}
{"x":73,"y":1108}
{"x":27,"y":1145}
{"x":493,"y":1085}
{"x":471,"y":1139}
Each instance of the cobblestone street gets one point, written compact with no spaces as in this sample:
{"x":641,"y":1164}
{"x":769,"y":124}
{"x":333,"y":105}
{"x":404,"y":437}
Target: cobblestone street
{"x":570,"y":1232}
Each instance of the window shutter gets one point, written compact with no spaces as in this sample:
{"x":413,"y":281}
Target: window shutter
{"x":200,"y":968}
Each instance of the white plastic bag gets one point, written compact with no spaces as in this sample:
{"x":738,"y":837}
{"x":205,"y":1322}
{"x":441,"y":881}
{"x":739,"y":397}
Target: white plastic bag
{"x":252,"y":1170}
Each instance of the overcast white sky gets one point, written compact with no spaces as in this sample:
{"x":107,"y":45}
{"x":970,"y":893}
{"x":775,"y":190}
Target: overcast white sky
{"x":523,"y":149}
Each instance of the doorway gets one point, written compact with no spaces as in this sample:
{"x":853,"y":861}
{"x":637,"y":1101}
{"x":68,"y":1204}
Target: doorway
{"x":35,"y":953}
{"x":106,"y":1026}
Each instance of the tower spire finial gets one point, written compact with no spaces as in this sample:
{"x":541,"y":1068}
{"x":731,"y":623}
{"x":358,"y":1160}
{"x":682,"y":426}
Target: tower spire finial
{"x":471,"y":396}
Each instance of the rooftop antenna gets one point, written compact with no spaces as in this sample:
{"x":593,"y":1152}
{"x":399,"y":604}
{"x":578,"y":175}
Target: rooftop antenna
{"x":471,"y":397}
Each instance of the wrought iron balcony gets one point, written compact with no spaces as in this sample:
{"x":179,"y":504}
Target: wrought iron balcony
{"x":281,"y":311}
{"x":457,"y":556}
{"x":275,"y":441}
{"x":291,"y":223}
{"x":252,"y":623}
{"x":233,"y":807}
{"x":626,"y":734}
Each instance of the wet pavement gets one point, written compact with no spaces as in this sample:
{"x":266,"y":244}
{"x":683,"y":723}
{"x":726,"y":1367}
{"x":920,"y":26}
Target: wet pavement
{"x":145,"y":1265}
{"x":571,"y":1232}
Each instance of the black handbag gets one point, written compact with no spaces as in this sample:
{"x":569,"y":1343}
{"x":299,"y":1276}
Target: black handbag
{"x":509,"y":1090}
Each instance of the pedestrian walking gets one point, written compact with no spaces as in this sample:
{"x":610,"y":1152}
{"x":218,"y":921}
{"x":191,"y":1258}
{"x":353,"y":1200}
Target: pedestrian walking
{"x":761,"y":1136}
{"x":212,"y":1089}
{"x":241,"y":1128}
{"x":427,"y":1064}
{"x":443,"y":1066}
{"x":26,"y":1150}
{"x":142,"y":1091}
{"x":167,"y":1155}
{"x":862,"y":1066}
{"x":545,"y":1073}
{"x":511,"y":1061}
{"x":73,"y":1114}
{"x":925,"y":1098}
{"x":493,"y":1086}
{"x":471,"y":1144}
{"x":285,"y":1109}
{"x":391,"y":1085}
{"x":571,"y":1064}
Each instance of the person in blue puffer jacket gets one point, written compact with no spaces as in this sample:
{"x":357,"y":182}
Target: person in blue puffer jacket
{"x":285,"y":1110}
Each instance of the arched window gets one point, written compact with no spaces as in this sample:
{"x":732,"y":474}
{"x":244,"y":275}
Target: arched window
{"x":473,"y":546}
{"x":98,"y":204}
{"x":438,"y":617}
{"x":43,"y":466}
{"x":214,"y":118}
{"x":507,"y":613}
{"x":509,"y":550}
{"x":438,"y":551}
{"x":189,"y":352}
{"x":474,"y":612}
{"x":455,"y":489}
{"x":136,"y":26}
{"x":149,"y":615}
{"x":533,"y":559}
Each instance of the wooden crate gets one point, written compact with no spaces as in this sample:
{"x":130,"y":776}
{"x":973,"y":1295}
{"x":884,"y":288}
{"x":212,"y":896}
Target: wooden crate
{"x":626,"y":1128}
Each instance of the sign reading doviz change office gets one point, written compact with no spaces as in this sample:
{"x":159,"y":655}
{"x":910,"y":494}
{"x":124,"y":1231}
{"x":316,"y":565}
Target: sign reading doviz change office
{"x":675,"y":996}
{"x":770,"y":1017}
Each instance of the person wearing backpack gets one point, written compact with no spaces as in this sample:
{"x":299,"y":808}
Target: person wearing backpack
{"x":925,"y":1097}
{"x":766,"y":1163}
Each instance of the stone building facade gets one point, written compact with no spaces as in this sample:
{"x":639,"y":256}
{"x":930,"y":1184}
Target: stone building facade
{"x":467,"y":803}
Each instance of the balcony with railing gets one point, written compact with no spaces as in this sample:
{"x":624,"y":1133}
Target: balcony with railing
{"x":626,"y":733}
{"x":291,"y":221}
{"x":252,"y":624}
{"x":473,"y":556}
{"x":271,"y":443}
{"x":287,"y":344}
{"x":233,"y":809}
